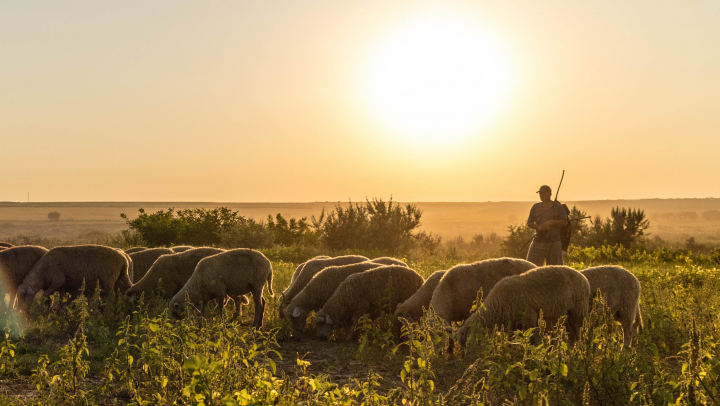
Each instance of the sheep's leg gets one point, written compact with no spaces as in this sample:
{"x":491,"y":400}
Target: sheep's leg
{"x":259,"y":302}
{"x":627,"y":320}
{"x":573,"y":325}
{"x":239,"y":302}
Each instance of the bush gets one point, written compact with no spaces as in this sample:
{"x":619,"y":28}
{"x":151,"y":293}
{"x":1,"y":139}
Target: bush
{"x":373,"y":225}
{"x":190,"y":226}
{"x":516,"y":244}
{"x":624,"y":227}
{"x":248,"y":234}
{"x":54,"y":216}
{"x":290,"y":232}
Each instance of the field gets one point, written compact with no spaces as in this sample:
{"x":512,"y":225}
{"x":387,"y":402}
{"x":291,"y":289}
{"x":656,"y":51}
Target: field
{"x":90,"y":352}
{"x":673,"y":220}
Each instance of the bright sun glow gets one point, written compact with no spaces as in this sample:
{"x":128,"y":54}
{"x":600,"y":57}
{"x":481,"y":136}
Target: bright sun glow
{"x":438,"y":79}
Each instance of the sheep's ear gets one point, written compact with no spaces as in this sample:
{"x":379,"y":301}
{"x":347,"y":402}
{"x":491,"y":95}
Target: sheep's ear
{"x":328,"y":320}
{"x":296,"y":312}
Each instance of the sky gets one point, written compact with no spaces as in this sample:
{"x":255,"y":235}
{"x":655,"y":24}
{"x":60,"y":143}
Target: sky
{"x":239,"y":101}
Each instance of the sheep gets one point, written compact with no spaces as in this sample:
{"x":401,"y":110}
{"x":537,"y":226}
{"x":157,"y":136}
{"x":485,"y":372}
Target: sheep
{"x":412,"y":308}
{"x":232,"y":273}
{"x":621,"y":291}
{"x":65,"y":269}
{"x":310,"y":269}
{"x":319,"y":289}
{"x":6,"y":245}
{"x":173,"y":269}
{"x":181,"y":248}
{"x":143,"y":260}
{"x":365,"y":292}
{"x":390,"y":261}
{"x":134,"y":250}
{"x":301,"y":266}
{"x":516,"y":301}
{"x":15,"y":263}
{"x":456,"y":292}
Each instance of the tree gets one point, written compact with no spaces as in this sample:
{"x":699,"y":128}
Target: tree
{"x":54,"y":216}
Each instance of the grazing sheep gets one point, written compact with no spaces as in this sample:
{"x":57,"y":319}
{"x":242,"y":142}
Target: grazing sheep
{"x":6,"y":244}
{"x":319,"y":290}
{"x":15,"y":263}
{"x":516,"y":301}
{"x":134,"y":250}
{"x":365,"y":292}
{"x":310,"y":269}
{"x":621,"y":291}
{"x":232,"y":273}
{"x":143,"y":260}
{"x":390,"y":261}
{"x":65,"y":269}
{"x":456,"y":292}
{"x":173,"y":269}
{"x":181,"y":248}
{"x":412,"y":308}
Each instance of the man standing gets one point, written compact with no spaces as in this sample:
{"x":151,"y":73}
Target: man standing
{"x":548,"y":218}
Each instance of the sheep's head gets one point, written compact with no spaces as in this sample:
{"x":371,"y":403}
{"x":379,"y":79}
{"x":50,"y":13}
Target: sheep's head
{"x":132,"y":294}
{"x":177,"y":309}
{"x":25,"y":295}
{"x":401,"y":311}
{"x":463,"y":333}
{"x":323,"y":325}
{"x":298,"y":317}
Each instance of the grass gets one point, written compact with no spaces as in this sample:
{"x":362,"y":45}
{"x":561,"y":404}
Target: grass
{"x":92,"y":352}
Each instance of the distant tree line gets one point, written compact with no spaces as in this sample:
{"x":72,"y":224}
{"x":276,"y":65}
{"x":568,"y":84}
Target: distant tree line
{"x":375,"y":226}
{"x":384,"y":226}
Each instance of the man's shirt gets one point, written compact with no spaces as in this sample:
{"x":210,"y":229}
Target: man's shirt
{"x":540,"y":215}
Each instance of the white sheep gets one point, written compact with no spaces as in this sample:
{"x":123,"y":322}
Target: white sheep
{"x":516,"y":302}
{"x":310,"y":269}
{"x":621,"y":291}
{"x":319,"y":290}
{"x":65,"y":269}
{"x":232,"y":273}
{"x":366,"y":292}
{"x":456,"y":292}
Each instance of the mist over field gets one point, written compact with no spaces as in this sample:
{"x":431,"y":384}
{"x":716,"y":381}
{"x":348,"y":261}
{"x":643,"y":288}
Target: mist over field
{"x":673,"y":220}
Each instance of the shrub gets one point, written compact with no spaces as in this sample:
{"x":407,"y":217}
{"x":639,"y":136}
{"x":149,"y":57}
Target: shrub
{"x":379,"y":225}
{"x":54,"y":216}
{"x":247,"y":234}
{"x":290,"y":232}
{"x":516,"y":244}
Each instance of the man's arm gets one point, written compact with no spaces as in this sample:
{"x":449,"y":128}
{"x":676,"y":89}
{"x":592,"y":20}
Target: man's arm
{"x":531,"y":220}
{"x":559,"y":222}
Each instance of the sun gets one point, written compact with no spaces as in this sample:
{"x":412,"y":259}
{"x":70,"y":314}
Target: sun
{"x":437,"y":79}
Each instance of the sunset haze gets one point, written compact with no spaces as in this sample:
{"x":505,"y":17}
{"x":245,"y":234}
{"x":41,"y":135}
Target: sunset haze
{"x":265,"y":102}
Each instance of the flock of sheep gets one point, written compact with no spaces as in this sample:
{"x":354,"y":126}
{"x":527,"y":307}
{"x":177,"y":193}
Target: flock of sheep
{"x":339,"y":290}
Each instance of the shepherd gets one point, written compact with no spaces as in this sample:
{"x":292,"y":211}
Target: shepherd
{"x":548,"y":219}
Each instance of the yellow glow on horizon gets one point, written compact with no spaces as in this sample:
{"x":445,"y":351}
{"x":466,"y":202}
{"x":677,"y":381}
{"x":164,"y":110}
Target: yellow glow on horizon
{"x":438,"y":79}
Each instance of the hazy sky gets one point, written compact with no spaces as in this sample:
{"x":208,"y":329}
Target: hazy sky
{"x":267,"y":101}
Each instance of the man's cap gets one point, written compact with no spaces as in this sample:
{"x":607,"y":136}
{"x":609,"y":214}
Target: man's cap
{"x":544,"y":188}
